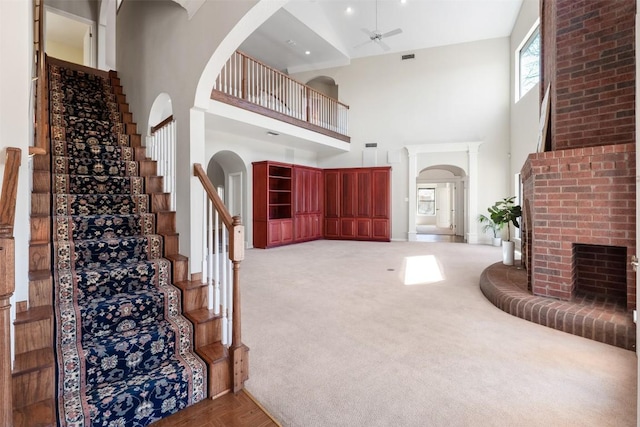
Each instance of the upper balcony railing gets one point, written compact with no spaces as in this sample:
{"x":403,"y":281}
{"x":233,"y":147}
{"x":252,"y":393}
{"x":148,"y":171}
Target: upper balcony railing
{"x":249,"y":80}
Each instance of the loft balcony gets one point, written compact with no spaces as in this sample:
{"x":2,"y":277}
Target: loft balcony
{"x":247,"y":83}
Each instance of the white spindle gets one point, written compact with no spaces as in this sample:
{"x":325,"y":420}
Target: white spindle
{"x":225,"y":289}
{"x":230,"y":300}
{"x":205,"y":202}
{"x":211,"y":292}
{"x":216,"y":262}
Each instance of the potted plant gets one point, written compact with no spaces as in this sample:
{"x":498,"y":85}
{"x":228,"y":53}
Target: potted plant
{"x":506,"y":212}
{"x":489,"y":225}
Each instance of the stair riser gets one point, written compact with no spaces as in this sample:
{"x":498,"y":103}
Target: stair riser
{"x":171,"y":244}
{"x":40,"y":292}
{"x":219,"y":378}
{"x":40,"y":229}
{"x":148,"y":167}
{"x":166,"y":222}
{"x":208,"y":333}
{"x":33,"y":387}
{"x":40,"y":204}
{"x":195,"y":298}
{"x":160,"y":202}
{"x":33,"y":336}
{"x":39,"y":257}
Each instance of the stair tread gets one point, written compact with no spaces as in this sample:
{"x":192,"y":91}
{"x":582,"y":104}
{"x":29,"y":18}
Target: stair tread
{"x":39,"y":274}
{"x":190,"y":284}
{"x":202,"y":315}
{"x":213,"y":353}
{"x":39,"y":414}
{"x":34,"y":314}
{"x":177,"y":257}
{"x":33,"y":360}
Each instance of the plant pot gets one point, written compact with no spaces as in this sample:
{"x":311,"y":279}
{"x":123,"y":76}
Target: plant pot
{"x":508,"y":252}
{"x":496,"y":241}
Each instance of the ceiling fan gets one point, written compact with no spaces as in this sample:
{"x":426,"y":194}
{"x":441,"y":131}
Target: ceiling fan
{"x":376,"y":36}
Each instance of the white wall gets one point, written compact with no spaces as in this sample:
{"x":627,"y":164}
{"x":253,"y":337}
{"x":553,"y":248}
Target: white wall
{"x":454,"y":93}
{"x":16,"y":129}
{"x":525,"y":113}
{"x":65,"y":52}
{"x":160,"y":50}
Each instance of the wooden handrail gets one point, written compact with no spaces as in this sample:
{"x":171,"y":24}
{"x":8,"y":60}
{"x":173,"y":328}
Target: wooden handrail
{"x":7,"y":277}
{"x":162,"y":124}
{"x":9,"y":192}
{"x":250,"y":80}
{"x":41,"y":105}
{"x":213,"y":195}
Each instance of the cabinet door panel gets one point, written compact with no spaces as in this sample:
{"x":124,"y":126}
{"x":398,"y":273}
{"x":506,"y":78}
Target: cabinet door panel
{"x":332,"y":228}
{"x":316,"y":230}
{"x":349,"y":194}
{"x":348,"y":227}
{"x":274,"y":233}
{"x":363,"y":228}
{"x":381,"y":193}
{"x":380,"y":229}
{"x":286,"y":230}
{"x":363,"y":195}
{"x":332,"y":194}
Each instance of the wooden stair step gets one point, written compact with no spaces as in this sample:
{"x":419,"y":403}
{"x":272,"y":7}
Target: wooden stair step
{"x":40,"y":288}
{"x":165,"y":222}
{"x":39,"y":414}
{"x":217,"y":359}
{"x":135,"y":140}
{"x":179,"y":267}
{"x":148,"y":167}
{"x":194,"y":295}
{"x":160,"y":202}
{"x":39,"y":256}
{"x":153,"y":184}
{"x":140,"y":153}
{"x":208,"y":327}
{"x":33,"y":377}
{"x":40,"y":204}
{"x":171,"y":243}
{"x":33,"y":329}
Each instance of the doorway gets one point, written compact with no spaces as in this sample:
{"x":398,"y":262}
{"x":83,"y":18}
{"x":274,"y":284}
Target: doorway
{"x":69,"y":37}
{"x":440,"y":204}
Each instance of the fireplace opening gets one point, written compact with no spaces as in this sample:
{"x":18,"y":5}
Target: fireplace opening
{"x":600,"y":272}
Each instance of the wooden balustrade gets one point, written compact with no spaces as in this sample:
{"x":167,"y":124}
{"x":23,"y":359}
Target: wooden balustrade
{"x":231,"y":297}
{"x":248,"y":79}
{"x":7,"y":278}
{"x":41,"y":145}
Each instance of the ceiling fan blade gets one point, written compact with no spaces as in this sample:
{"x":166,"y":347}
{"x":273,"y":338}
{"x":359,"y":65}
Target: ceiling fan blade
{"x":392,"y":32}
{"x":359,"y":45}
{"x":370,"y":34}
{"x":383,"y":45}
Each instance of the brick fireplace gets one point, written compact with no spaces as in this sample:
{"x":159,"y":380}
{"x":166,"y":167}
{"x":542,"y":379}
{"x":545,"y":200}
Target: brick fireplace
{"x":579,"y":216}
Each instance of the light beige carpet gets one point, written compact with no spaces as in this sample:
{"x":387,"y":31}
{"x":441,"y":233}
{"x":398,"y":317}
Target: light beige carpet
{"x":337,"y":339}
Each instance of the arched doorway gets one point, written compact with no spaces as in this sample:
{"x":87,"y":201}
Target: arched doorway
{"x":440,"y":203}
{"x":228,"y":174}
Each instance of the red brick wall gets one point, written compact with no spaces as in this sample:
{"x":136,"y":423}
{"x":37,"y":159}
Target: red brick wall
{"x":589,"y":59}
{"x":578,"y":196}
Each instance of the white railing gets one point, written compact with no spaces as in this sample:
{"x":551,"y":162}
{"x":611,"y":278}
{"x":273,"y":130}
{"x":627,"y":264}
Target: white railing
{"x":246,"y":78}
{"x":217,"y":266}
{"x":161,"y":147}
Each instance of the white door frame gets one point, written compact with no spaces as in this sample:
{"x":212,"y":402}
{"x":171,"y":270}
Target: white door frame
{"x":471,"y":202}
{"x":234,"y":184}
{"x":92,"y":28}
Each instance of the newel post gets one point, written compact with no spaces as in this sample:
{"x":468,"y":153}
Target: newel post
{"x":7,"y":287}
{"x":239,"y":362}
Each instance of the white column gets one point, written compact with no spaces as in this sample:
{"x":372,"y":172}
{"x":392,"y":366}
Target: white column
{"x":472,"y":206}
{"x":196,"y":155}
{"x":411,"y":188}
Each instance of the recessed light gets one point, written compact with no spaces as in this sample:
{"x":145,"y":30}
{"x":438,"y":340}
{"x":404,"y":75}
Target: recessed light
{"x":307,"y":52}
{"x":348,"y":10}
{"x":403,"y":1}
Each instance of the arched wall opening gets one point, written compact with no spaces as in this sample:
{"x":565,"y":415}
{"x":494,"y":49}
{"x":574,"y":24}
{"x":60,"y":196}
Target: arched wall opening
{"x":325,"y":85}
{"x":228,"y":173}
{"x":440,"y":200}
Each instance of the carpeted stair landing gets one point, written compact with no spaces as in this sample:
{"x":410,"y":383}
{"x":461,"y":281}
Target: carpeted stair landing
{"x":124,"y":351}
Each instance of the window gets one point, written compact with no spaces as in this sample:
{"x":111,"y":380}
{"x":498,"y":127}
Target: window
{"x":426,"y":201}
{"x":528,"y":62}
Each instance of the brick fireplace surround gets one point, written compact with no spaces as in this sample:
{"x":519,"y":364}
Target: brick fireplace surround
{"x":579,"y":201}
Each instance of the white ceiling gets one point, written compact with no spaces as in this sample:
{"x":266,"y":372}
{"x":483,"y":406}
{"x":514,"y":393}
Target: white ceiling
{"x":324,"y":28}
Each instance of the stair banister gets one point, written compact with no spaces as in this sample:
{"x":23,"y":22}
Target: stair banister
{"x":233,"y":226}
{"x":7,"y":278}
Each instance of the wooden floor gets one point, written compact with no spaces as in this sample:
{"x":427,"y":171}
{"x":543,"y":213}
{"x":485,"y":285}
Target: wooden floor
{"x":230,"y":410}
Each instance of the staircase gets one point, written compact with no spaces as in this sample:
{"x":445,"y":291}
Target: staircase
{"x":102,"y":339}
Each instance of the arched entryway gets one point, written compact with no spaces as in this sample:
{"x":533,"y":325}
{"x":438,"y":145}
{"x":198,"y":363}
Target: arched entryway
{"x":228,"y":174}
{"x":440,"y":202}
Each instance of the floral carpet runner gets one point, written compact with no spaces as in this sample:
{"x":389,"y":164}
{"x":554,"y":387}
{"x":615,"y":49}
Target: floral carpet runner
{"x":124,"y":351}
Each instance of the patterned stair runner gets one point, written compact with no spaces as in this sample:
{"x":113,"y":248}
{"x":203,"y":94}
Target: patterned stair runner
{"x":124,"y":351}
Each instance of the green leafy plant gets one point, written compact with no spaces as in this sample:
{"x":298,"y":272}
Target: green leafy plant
{"x":504,"y":212}
{"x":489,"y":225}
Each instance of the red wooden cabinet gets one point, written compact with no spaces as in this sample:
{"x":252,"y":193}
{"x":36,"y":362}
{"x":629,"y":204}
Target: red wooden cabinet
{"x":358,"y":203}
{"x":272,"y":204}
{"x":293,"y":203}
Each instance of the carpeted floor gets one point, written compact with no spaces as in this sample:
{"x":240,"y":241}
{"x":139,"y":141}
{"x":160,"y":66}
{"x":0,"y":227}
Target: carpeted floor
{"x":124,"y":351}
{"x":338,"y":339}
